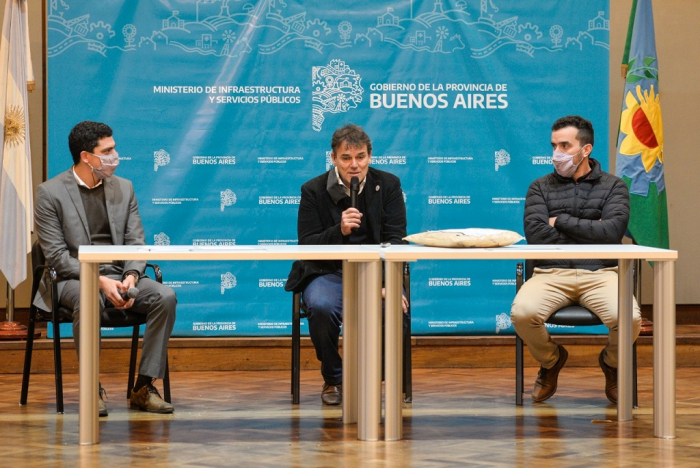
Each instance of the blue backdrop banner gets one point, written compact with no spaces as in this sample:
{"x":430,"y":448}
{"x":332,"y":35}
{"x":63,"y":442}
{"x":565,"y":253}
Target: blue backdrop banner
{"x":222,"y":108}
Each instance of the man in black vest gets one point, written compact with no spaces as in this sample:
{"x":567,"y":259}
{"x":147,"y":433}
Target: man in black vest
{"x":327,"y":218}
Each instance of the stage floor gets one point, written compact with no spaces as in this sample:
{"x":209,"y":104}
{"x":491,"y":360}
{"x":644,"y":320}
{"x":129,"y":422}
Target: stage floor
{"x":459,"y":416}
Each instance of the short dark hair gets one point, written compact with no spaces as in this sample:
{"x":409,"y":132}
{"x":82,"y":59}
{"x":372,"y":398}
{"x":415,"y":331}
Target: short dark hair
{"x":353,"y":135}
{"x":86,"y":136}
{"x":584,"y":127}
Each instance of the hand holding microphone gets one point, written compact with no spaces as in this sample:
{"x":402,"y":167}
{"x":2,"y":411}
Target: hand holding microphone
{"x":130,"y":293}
{"x":351,"y":218}
{"x":112,"y":290}
{"x":354,"y":190}
{"x":128,"y":297}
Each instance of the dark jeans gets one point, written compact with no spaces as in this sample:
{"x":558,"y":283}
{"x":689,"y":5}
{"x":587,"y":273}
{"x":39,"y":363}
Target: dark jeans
{"x":323,"y":302}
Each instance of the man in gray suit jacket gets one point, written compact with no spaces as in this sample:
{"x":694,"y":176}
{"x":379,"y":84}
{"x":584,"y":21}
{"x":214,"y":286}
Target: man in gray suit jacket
{"x":88,"y":205}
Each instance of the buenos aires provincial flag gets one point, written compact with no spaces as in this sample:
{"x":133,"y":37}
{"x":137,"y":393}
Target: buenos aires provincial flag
{"x":640,"y":143}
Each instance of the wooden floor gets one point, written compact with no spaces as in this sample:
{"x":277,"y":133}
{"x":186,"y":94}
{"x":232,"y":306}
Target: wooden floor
{"x":459,"y":417}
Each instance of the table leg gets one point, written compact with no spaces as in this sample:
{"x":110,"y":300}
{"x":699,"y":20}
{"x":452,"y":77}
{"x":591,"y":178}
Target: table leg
{"x":369,"y":351}
{"x":393,"y":341}
{"x":624,"y":353}
{"x":349,"y":342}
{"x":89,"y":353}
{"x":664,"y":350}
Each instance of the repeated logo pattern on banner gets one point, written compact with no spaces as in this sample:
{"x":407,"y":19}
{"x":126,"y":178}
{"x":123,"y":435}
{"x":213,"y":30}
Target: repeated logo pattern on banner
{"x":223,"y":108}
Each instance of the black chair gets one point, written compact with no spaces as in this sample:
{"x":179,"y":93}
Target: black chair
{"x":112,"y":318}
{"x":299,"y":312}
{"x":574,"y":315}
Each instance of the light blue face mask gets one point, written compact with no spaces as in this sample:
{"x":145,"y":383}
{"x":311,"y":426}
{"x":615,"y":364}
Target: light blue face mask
{"x":108,"y":164}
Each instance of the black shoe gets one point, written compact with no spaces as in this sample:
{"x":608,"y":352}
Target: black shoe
{"x":610,"y":378}
{"x":546,"y":383}
{"x":102,"y":406}
{"x":332,"y":395}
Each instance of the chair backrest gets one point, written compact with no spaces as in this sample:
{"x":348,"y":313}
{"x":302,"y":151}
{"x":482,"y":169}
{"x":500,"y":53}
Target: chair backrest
{"x":41,"y":271}
{"x":38,"y":270}
{"x":529,"y":269}
{"x":38,"y":258}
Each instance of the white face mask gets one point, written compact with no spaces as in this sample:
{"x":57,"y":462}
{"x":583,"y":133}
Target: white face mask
{"x":108,"y":164}
{"x":564,"y":163}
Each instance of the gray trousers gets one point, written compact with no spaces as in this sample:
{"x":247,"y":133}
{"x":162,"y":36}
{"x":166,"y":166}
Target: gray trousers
{"x":551,"y":289}
{"x":154,"y":300}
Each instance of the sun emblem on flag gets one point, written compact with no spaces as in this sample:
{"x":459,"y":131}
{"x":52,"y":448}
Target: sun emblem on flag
{"x":14,"y":126}
{"x":641,"y":123}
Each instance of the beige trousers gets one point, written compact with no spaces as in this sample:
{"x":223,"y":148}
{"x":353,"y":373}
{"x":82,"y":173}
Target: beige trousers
{"x":551,"y":289}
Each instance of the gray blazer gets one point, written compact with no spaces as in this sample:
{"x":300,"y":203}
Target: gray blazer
{"x":62,"y":227}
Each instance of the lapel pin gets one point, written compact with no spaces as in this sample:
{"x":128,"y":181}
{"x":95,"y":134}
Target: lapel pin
{"x":376,"y":189}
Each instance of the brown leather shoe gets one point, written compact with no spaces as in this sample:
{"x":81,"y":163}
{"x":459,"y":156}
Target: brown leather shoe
{"x":101,"y":405}
{"x":610,"y":378}
{"x":332,"y":395}
{"x":148,"y":399}
{"x":546,"y":383}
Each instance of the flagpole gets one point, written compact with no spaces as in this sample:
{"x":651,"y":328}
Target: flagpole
{"x":9,"y":329}
{"x":10,"y":310}
{"x":628,"y":41}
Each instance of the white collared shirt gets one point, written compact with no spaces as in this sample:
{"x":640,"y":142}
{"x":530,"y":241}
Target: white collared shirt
{"x":345,"y":188}
{"x":83,"y":184}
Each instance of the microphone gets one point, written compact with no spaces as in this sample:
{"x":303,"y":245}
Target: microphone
{"x":354,"y":189}
{"x":131,"y":293}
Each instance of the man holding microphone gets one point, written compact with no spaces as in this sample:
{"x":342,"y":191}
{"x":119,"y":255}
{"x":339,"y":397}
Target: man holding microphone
{"x":89,"y":205}
{"x":352,"y":203}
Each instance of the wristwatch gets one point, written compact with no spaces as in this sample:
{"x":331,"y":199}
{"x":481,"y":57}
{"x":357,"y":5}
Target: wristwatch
{"x":133,"y":273}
